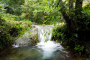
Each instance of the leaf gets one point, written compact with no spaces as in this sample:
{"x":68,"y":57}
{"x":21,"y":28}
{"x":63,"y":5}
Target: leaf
{"x":48,"y":33}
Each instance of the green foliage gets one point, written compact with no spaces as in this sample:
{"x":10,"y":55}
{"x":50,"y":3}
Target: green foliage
{"x":59,"y":32}
{"x":40,"y":12}
{"x":3,"y":33}
{"x":2,"y":10}
{"x":79,"y":48}
{"x":13,"y":6}
{"x":87,"y":9}
{"x":11,"y":29}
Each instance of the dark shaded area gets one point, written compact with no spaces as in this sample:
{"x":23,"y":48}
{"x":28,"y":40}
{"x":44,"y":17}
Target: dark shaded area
{"x":9,"y":10}
{"x":13,"y":32}
{"x":77,"y":28}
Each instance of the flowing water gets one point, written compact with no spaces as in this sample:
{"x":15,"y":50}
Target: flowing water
{"x":44,"y":50}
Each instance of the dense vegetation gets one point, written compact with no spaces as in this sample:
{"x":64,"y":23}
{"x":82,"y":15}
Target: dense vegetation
{"x":75,"y":32}
{"x":17,"y":17}
{"x":10,"y":28}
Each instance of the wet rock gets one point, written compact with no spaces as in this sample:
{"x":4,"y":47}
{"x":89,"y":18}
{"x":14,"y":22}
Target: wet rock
{"x":33,"y":35}
{"x":29,"y":38}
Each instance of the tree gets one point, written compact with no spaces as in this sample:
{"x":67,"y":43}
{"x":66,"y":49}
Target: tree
{"x":76,"y":21}
{"x":70,"y":21}
{"x":13,"y":6}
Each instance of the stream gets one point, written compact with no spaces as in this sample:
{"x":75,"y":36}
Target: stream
{"x":46,"y":49}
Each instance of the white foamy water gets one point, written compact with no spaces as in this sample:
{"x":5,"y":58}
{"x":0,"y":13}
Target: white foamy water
{"x":49,"y":47}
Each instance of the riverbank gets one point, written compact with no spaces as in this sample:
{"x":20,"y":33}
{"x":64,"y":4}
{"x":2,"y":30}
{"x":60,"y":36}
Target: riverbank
{"x":73,"y":55}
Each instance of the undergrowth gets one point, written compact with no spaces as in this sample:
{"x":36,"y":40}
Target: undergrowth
{"x":71,"y":41}
{"x":11,"y":29}
{"x":79,"y":40}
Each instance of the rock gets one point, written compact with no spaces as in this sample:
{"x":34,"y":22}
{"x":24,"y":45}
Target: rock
{"x":33,"y":35}
{"x":29,"y":38}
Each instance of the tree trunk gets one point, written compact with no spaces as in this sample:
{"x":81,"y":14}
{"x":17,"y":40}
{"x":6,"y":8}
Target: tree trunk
{"x":26,"y":9}
{"x":71,"y":8}
{"x":71,"y":16}
{"x":70,"y":23}
{"x":79,"y":20}
{"x":65,"y":16}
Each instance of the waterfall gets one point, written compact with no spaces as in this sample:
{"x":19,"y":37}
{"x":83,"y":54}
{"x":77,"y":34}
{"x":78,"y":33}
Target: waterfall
{"x":44,"y":33}
{"x":48,"y":47}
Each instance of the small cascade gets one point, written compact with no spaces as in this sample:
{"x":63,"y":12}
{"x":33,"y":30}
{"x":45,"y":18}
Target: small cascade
{"x":44,"y":33}
{"x":49,"y":47}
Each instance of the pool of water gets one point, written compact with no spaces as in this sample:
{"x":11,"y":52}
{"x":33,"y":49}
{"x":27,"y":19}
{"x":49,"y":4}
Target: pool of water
{"x":44,"y":50}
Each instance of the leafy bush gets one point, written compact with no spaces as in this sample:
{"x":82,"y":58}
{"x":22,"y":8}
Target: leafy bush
{"x":11,"y":29}
{"x":40,"y":12}
{"x":59,"y":33}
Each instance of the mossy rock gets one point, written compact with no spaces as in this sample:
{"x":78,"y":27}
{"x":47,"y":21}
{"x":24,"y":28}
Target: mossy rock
{"x":34,"y":39}
{"x":34,"y":36}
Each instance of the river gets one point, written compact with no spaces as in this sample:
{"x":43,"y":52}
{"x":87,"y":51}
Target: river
{"x":45,"y":49}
